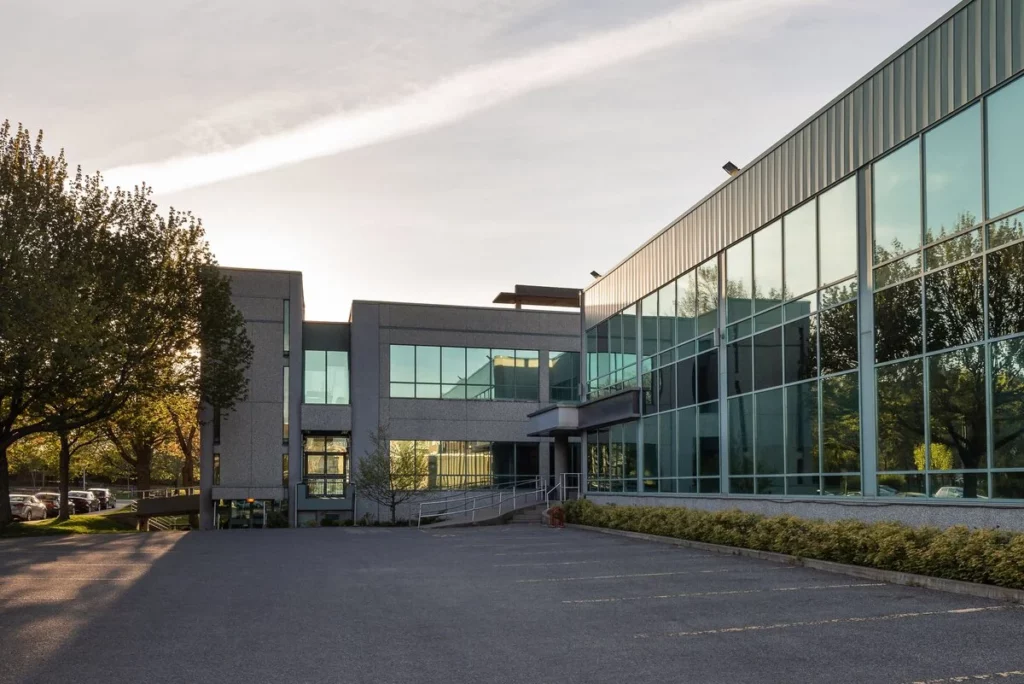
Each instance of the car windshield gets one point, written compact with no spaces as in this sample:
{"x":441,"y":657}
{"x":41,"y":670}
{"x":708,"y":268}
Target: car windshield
{"x":47,"y":497}
{"x":81,"y":495}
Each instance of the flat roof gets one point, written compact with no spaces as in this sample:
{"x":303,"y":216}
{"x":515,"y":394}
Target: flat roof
{"x":540,"y":295}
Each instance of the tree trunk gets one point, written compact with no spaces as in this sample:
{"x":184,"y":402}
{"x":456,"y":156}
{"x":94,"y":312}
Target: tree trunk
{"x":5,"y":488}
{"x":143,"y":474}
{"x":64,"y":475}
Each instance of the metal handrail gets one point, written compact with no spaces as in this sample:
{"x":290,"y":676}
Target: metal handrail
{"x":166,"y":492}
{"x":488,"y":495}
{"x":536,"y":490}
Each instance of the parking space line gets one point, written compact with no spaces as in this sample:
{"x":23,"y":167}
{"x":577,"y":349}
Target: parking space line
{"x":546,"y":564}
{"x":642,"y":574}
{"x":821,"y":623}
{"x":735,"y":592}
{"x":583,"y":550}
{"x":488,"y":546}
{"x":1009,"y":674}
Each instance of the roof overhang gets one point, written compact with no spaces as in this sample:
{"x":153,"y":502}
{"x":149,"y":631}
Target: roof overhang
{"x":568,"y":419}
{"x":538,"y":295}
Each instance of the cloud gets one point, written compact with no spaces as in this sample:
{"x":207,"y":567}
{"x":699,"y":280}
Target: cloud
{"x":455,"y":97}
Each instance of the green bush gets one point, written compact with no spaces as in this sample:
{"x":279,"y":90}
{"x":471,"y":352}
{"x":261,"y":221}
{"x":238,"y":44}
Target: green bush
{"x":959,"y":553}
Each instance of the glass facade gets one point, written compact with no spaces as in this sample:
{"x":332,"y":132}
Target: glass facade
{"x":455,"y":464}
{"x":326,"y":377}
{"x":563,"y":376}
{"x":421,"y":372}
{"x":325,"y":463}
{"x":773,"y":405}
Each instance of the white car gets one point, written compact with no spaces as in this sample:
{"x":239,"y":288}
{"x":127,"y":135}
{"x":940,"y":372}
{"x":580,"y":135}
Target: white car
{"x":27,"y":507}
{"x":950,"y":493}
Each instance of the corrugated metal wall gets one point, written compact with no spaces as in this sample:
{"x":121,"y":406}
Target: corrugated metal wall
{"x":977,"y":48}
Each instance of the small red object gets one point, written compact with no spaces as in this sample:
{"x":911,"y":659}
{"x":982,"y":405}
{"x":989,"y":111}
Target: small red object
{"x":557,"y":518}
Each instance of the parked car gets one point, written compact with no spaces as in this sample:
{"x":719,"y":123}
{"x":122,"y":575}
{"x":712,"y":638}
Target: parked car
{"x":106,"y":497}
{"x":52,"y":502}
{"x":27,"y":507}
{"x":84,"y":502}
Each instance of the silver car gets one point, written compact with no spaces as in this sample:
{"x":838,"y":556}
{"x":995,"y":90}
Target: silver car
{"x":27,"y":507}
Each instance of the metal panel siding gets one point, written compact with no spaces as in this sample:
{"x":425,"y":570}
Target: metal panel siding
{"x":974,"y":50}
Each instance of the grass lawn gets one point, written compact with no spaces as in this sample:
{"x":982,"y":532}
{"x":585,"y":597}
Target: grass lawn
{"x":101,"y":523}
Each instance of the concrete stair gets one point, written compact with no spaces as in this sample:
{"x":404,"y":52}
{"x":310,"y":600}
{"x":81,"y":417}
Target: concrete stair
{"x":532,"y":515}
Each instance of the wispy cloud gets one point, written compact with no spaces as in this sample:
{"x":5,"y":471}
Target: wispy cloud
{"x":456,"y":97}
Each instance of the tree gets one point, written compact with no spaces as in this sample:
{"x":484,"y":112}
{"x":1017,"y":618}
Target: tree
{"x":388,"y":475}
{"x":103,"y":301}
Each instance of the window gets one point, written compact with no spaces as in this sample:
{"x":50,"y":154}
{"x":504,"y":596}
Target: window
{"x":216,"y":469}
{"x":1005,"y":150}
{"x":287,"y":327}
{"x":952,"y":153}
{"x":707,"y":296}
{"x":456,"y":464}
{"x":768,"y":267}
{"x":800,"y":234}
{"x":897,"y":197}
{"x":285,"y":404}
{"x":325,"y":464}
{"x":326,"y":377}
{"x":837,"y":228}
{"x":564,"y":376}
{"x":284,"y":469}
{"x":426,"y":372}
{"x":739,"y":286}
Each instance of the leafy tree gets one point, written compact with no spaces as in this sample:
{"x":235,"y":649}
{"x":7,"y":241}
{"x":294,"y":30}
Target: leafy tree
{"x":104,"y":301}
{"x":391,"y":472}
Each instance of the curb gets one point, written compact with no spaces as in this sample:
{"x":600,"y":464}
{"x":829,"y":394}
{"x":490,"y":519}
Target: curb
{"x":907,"y":579}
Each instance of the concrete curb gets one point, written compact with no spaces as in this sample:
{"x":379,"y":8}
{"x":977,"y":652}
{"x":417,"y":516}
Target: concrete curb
{"x":889,"y":576}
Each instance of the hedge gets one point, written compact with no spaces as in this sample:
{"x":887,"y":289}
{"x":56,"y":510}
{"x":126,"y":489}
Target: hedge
{"x":958,"y":553}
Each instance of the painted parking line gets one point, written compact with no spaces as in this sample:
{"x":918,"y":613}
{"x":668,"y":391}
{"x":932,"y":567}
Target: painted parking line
{"x":822,"y":623}
{"x":736,"y":592}
{"x":1009,"y":674}
{"x":582,"y":550}
{"x":492,"y":545}
{"x":546,"y":564}
{"x":641,"y":574}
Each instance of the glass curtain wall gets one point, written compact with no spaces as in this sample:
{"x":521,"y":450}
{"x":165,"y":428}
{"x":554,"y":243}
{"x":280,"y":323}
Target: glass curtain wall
{"x":949,"y":307}
{"x":423,"y":372}
{"x":563,"y":376}
{"x":457,"y":464}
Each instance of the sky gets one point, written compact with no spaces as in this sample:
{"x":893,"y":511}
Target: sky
{"x":432,"y":150}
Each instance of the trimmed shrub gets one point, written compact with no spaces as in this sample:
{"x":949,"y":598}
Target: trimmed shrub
{"x":958,"y":553}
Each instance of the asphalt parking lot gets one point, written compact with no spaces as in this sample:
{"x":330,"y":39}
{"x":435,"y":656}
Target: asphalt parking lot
{"x":516,"y":603}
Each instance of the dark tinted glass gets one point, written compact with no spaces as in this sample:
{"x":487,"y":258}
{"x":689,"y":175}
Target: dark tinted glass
{"x":708,"y":450}
{"x":840,"y":424}
{"x":802,"y":428}
{"x":741,"y":436}
{"x":768,"y":359}
{"x":649,"y":391}
{"x":686,"y":441}
{"x":739,"y":360}
{"x":800,"y":338}
{"x":956,"y":404}
{"x":1008,"y":403}
{"x":1006,"y":291}
{"x":666,"y":388}
{"x":839,"y":338}
{"x":650,"y":455}
{"x":686,"y":382}
{"x":898,"y":321}
{"x":707,"y":376}
{"x":954,"y":309}
{"x":900,"y":388}
{"x":768,"y":428}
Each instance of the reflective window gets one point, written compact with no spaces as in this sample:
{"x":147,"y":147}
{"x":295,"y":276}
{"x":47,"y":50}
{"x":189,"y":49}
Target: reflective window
{"x":403,"y":363}
{"x":800,"y":338}
{"x":314,"y":379}
{"x":453,"y":365}
{"x":707,"y":376}
{"x":686,"y":307}
{"x":564,"y":376}
{"x":1008,"y":404}
{"x":899,"y":270}
{"x":649,"y":324}
{"x":739,"y":361}
{"x":802,"y":429}
{"x":837,"y":218}
{"x":707,"y":296}
{"x":838,"y":335}
{"x":954,"y":312}
{"x":686,"y":381}
{"x":686,"y":442}
{"x":667,"y":317}
{"x":741,"y":436}
{"x":768,"y":359}
{"x":428,"y":365}
{"x":650,"y":454}
{"x":952,"y":154}
{"x":454,"y":373}
{"x":1009,"y":229}
{"x":956,"y":404}
{"x":287,"y":326}
{"x":666,"y":451}
{"x":896,"y":183}
{"x":801,"y":246}
{"x":739,"y":283}
{"x":325,"y":464}
{"x":479,"y":381}
{"x":1006,"y":291}
{"x":840,"y":424}
{"x":900,"y":405}
{"x":1005,"y":149}
{"x":953,"y":250}
{"x":768,"y":267}
{"x":337,"y":377}
{"x":898,"y":322}
{"x":666,"y":388}
{"x":769,"y":426}
{"x":708,"y":449}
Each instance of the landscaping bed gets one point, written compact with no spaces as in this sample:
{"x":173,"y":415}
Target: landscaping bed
{"x":957,"y":553}
{"x":101,"y":523}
